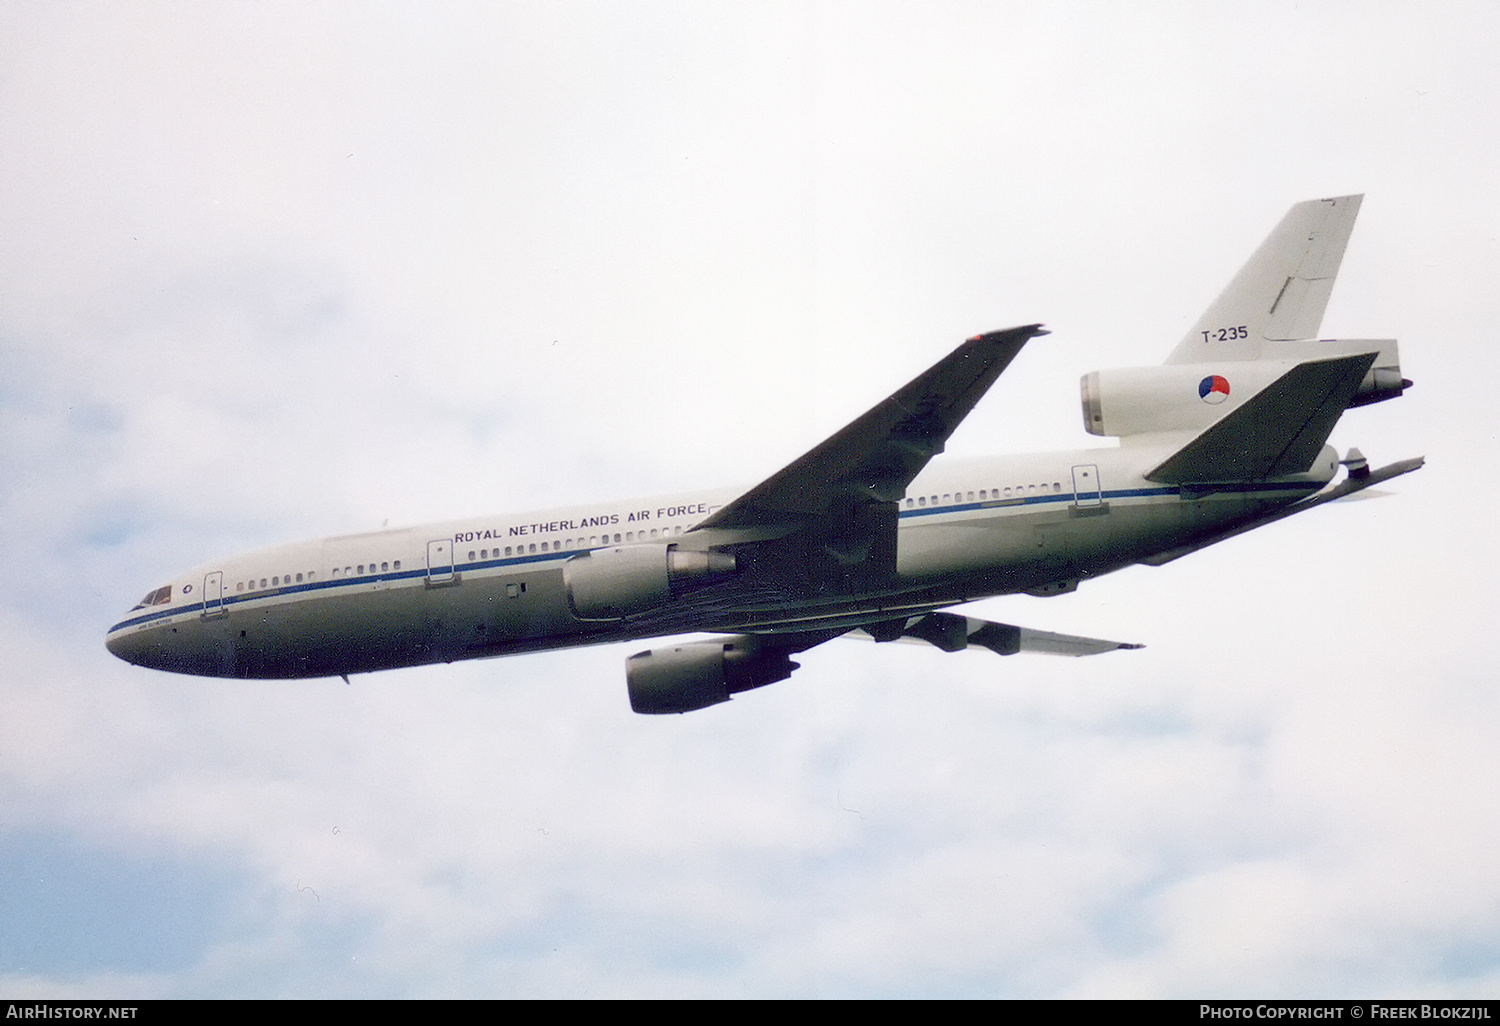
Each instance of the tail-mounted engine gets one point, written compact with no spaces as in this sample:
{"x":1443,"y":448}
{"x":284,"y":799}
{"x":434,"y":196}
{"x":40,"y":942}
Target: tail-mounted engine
{"x":1190,"y":397}
{"x":607,"y":584}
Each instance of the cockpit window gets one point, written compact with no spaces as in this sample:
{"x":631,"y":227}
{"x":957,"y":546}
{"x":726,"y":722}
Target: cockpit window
{"x":159,"y":597}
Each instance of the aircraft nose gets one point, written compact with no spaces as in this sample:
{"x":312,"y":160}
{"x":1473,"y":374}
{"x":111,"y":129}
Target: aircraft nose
{"x":125,"y":645}
{"x":184,"y":646}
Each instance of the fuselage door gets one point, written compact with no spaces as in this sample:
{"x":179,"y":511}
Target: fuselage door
{"x":213,"y":593}
{"x":1087,"y":492}
{"x":440,"y":561}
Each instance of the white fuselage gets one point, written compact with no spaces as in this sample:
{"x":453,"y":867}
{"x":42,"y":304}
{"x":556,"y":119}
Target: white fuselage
{"x":488,"y":586}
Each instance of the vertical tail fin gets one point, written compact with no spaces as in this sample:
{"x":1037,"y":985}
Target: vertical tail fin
{"x":1281,"y":292}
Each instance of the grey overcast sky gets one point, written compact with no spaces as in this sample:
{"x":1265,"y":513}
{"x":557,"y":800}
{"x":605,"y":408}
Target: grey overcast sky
{"x":275,"y":271}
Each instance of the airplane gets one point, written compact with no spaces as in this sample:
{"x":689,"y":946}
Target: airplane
{"x":859,"y":536}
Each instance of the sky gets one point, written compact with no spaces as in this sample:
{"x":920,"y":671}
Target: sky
{"x":277,"y":271}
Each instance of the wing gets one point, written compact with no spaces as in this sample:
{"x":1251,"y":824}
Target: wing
{"x":836,"y":504}
{"x":951,"y":632}
{"x":679,"y":678}
{"x":878,"y":455}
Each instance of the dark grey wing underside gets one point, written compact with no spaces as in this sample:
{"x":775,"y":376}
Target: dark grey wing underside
{"x":826,"y":522}
{"x":876,"y":456}
{"x":951,"y":632}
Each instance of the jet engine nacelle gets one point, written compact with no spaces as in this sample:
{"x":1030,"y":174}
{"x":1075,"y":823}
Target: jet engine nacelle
{"x":699,"y":674}
{"x":1175,"y":397}
{"x":1192,"y":396}
{"x":606,"y":584}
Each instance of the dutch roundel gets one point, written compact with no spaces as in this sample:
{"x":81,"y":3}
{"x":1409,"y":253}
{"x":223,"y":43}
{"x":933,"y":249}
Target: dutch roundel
{"x":1213,"y":389}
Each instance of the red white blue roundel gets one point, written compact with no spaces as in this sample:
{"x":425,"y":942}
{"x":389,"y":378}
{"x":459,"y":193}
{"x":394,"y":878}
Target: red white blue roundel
{"x":1213,"y":389}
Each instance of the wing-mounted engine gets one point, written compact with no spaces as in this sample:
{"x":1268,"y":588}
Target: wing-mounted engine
{"x":699,"y":674}
{"x":1193,"y":396}
{"x":607,"y":584}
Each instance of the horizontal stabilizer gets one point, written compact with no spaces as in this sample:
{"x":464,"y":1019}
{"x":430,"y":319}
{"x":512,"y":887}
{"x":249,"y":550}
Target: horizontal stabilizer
{"x":1360,"y":478}
{"x":1276,"y":432}
{"x":952,"y":633}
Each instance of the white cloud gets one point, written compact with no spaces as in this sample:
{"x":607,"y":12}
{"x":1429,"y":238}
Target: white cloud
{"x":277,"y":273}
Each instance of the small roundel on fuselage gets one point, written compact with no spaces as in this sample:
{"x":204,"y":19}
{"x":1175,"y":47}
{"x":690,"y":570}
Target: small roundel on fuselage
{"x":1213,"y":389}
